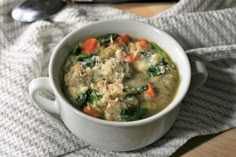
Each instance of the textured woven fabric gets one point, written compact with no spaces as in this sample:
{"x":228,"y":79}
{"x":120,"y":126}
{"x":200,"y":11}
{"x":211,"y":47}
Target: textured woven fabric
{"x":205,"y":28}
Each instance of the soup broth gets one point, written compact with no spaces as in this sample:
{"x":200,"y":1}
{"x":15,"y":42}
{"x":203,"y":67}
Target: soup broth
{"x":117,"y":78}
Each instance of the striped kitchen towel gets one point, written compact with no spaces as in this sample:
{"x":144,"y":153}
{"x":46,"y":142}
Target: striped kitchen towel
{"x":205,"y":28}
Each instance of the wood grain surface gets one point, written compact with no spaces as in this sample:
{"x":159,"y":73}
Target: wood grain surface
{"x":220,"y":145}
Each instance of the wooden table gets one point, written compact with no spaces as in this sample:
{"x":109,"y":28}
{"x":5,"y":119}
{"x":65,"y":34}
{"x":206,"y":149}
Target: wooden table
{"x":220,"y":145}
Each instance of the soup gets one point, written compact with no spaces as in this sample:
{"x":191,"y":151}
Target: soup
{"x":117,"y":78}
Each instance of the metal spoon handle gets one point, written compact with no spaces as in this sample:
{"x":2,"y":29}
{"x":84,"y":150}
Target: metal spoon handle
{"x":118,"y":1}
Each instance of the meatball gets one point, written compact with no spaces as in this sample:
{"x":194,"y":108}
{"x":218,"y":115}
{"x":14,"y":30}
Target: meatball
{"x":77,"y":75}
{"x":113,"y":110}
{"x":113,"y":70}
{"x":77,"y":80}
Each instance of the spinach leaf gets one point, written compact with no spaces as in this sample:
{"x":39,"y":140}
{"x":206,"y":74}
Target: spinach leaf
{"x":91,"y":96}
{"x":156,"y":48}
{"x":83,"y":57}
{"x":91,"y":63}
{"x":135,"y":91}
{"x":88,"y":59}
{"x":145,"y":54}
{"x":76,"y":50}
{"x":132,"y":113}
{"x":106,"y":38}
{"x":82,"y":100}
{"x":142,"y":89}
{"x":158,"y":69}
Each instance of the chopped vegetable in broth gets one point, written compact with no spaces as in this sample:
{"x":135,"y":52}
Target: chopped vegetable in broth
{"x":117,"y":78}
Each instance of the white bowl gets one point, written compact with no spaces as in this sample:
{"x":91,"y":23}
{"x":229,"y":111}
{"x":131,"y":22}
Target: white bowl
{"x":115,"y":136}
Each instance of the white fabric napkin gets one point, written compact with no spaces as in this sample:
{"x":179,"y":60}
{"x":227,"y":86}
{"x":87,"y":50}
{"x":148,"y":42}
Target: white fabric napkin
{"x":205,"y":28}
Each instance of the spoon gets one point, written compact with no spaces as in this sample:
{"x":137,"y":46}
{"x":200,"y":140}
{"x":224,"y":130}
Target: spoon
{"x":33,"y":10}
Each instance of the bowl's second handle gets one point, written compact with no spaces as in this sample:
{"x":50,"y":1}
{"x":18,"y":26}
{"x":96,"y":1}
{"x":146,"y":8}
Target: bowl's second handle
{"x":199,"y":73}
{"x":40,"y":84}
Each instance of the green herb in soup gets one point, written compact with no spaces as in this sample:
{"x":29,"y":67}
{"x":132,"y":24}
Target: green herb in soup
{"x":117,"y":78}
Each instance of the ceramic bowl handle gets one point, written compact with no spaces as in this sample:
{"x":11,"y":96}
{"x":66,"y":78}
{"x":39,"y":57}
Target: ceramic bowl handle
{"x":40,"y":84}
{"x":199,"y":73}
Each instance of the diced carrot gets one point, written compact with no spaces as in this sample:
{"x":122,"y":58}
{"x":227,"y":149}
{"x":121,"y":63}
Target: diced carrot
{"x":91,"y":111}
{"x":149,"y":91}
{"x":124,"y":38}
{"x":89,"y":45}
{"x":129,"y":57}
{"x":143,"y":43}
